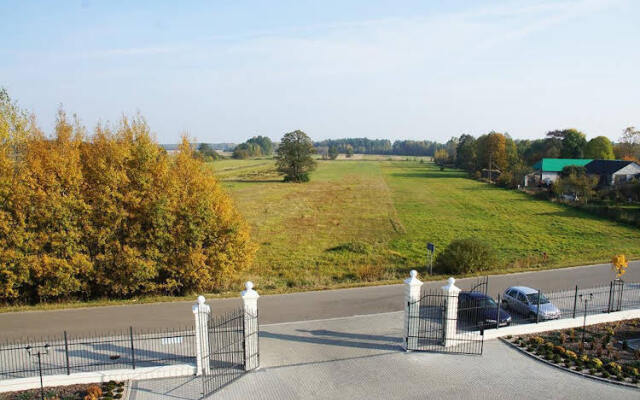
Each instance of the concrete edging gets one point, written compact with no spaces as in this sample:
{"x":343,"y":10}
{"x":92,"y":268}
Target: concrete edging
{"x":167,"y":371}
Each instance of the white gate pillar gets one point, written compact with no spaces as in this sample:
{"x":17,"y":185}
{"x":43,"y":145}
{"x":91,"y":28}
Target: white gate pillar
{"x":250,"y":303}
{"x":201,"y":312}
{"x":412,"y":290}
{"x":450,"y":320}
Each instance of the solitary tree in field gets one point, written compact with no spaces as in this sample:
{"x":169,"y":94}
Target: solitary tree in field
{"x":294,"y":156}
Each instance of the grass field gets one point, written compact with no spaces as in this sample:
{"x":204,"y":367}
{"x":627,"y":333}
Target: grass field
{"x":366,"y":220}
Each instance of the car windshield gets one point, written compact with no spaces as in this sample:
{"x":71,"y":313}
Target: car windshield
{"x":533,"y":298}
{"x":488,"y":302}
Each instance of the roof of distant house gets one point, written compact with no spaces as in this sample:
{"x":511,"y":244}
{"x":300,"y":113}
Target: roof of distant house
{"x":606,"y":167}
{"x":557,"y":164}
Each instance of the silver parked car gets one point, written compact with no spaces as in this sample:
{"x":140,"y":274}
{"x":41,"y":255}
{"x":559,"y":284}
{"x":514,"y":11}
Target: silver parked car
{"x":524,"y":300}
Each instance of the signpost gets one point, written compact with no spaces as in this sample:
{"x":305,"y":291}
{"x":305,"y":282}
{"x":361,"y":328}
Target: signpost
{"x":431,"y":248}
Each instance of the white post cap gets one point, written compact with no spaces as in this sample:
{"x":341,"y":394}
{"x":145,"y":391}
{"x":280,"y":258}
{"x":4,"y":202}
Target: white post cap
{"x":249,"y":292}
{"x":450,"y":286}
{"x":413,"y":278}
{"x":200,"y":305}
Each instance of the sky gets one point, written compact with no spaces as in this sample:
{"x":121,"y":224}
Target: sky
{"x":223,"y":71}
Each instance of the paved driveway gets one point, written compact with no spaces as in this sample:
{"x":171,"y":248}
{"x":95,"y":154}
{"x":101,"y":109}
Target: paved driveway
{"x":360,"y":358}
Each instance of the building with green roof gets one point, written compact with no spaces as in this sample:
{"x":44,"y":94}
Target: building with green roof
{"x":548,"y":170}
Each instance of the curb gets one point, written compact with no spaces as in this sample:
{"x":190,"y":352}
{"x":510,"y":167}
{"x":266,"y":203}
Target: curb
{"x":597,"y":378}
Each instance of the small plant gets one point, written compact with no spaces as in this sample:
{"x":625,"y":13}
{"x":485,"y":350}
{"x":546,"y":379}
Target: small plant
{"x":536,"y":340}
{"x":560,"y":350}
{"x":592,"y":371}
{"x":596,"y":363}
{"x":549,"y":346}
{"x":570,"y":354}
{"x":557,"y":359}
{"x":614,"y":368}
{"x":605,"y":374}
{"x":94,"y":390}
{"x":549,"y":356}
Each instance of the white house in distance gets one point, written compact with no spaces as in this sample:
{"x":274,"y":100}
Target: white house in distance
{"x":613,"y":171}
{"x":548,"y":170}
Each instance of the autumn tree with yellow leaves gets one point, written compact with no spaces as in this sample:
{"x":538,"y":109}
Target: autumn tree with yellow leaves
{"x":109,"y":214}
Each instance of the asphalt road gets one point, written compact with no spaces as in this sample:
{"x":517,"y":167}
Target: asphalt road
{"x":281,"y":308}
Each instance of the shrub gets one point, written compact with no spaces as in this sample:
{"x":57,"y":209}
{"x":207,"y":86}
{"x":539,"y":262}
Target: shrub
{"x":464,"y":256}
{"x":94,"y":390}
{"x":614,"y":368}
{"x":536,"y":340}
{"x":605,"y":374}
{"x":557,"y":359}
{"x":596,"y":363}
{"x":570,"y":354}
{"x":549,"y":355}
{"x":549,"y":346}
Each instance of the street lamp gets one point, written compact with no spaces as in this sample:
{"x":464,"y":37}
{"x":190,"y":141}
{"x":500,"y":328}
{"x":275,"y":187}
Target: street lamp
{"x":39,"y":353}
{"x":585,"y":300}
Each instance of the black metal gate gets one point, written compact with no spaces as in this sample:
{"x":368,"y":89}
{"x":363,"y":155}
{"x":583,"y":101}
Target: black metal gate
{"x":226,"y":358}
{"x":433,"y":327}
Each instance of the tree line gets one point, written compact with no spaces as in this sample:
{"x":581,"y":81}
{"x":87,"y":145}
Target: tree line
{"x":109,"y":214}
{"x":380,"y":146}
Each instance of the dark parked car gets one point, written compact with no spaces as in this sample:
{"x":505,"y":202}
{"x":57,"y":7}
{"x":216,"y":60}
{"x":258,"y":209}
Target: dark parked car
{"x":481,"y":310}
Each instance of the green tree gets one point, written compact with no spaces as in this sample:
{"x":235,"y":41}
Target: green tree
{"x":466,"y":153}
{"x":573,"y":142}
{"x":294,"y":156}
{"x":333,"y":152}
{"x":599,"y":148}
{"x":207,"y":153}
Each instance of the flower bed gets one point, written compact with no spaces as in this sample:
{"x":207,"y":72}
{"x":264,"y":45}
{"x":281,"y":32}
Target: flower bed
{"x":605,"y":353}
{"x":106,"y":391}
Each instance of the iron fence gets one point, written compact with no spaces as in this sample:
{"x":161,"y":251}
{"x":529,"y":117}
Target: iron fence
{"x":574,"y":302}
{"x":66,"y":353}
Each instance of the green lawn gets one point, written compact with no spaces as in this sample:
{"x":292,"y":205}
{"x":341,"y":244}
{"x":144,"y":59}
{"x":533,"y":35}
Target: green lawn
{"x":440,"y":206}
{"x":370,"y":221}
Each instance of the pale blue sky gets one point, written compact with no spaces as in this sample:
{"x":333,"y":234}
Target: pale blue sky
{"x":228,"y":70}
